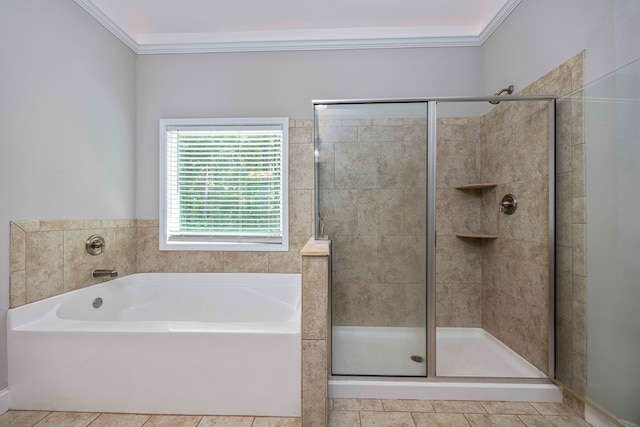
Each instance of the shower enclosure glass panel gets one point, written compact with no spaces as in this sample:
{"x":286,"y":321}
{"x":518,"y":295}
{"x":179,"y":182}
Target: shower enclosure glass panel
{"x":493,"y":269}
{"x":598,"y":289}
{"x":371,"y":167}
{"x":429,"y":276}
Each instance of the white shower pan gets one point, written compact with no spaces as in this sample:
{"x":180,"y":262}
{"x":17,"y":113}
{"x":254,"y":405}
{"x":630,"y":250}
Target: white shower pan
{"x":460,"y":352}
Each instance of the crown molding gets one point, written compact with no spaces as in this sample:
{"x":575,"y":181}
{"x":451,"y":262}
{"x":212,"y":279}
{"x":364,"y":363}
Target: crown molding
{"x":297,"y":45}
{"x":106,"y":22}
{"x":498,"y":20}
{"x":299,"y":40}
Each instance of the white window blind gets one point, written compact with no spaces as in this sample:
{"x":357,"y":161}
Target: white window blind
{"x":225,"y":183}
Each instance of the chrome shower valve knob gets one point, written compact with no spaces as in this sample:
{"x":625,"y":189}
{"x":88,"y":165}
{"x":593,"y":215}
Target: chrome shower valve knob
{"x":508,"y":204}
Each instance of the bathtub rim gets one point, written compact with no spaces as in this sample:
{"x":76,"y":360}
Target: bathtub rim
{"x":30,"y":317}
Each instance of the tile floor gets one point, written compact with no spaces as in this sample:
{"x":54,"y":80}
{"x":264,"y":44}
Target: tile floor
{"x":422,"y":413}
{"x":344,"y":413}
{"x":84,"y":419}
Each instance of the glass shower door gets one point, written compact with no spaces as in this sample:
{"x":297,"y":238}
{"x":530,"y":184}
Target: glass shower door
{"x":371,"y":168}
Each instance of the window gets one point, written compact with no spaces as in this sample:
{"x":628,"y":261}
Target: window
{"x":223,"y":184}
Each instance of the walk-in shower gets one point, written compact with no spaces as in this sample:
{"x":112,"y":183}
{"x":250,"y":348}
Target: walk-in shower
{"x":432,"y":281}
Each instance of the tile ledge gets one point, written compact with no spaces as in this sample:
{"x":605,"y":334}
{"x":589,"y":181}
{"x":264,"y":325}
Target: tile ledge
{"x":316,"y":248}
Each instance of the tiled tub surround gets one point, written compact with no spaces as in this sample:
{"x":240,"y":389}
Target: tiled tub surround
{"x":49,"y":258}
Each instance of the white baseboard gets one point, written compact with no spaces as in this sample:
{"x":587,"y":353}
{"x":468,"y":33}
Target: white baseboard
{"x":4,"y":401}
{"x":596,"y":419}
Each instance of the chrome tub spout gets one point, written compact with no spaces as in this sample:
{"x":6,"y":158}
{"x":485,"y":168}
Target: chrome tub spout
{"x":104,"y":273}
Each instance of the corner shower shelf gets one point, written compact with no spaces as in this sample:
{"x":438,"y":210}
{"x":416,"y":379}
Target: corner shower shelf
{"x":476,"y":186}
{"x":478,"y":236}
{"x":479,"y":186}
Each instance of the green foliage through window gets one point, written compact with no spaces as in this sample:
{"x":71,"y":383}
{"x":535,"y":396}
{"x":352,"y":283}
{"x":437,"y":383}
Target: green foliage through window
{"x":225,"y":182}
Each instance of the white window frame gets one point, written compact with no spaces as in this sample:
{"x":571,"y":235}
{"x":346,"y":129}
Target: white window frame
{"x":170,"y":242}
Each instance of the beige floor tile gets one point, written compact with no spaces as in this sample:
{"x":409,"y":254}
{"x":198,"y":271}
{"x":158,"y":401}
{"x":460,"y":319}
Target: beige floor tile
{"x":120,"y":420}
{"x":546,"y":408}
{"x":173,"y":421}
{"x":344,"y":419}
{"x":68,"y":419}
{"x":494,"y":420}
{"x":553,"y":421}
{"x":226,"y":422}
{"x":534,"y":420}
{"x":569,"y":421}
{"x":277,"y":422}
{"x":424,"y":419}
{"x":21,"y":418}
{"x":516,"y":408}
{"x":386,"y":419}
{"x":459,"y":406}
{"x":357,"y":405}
{"x":408,"y":405}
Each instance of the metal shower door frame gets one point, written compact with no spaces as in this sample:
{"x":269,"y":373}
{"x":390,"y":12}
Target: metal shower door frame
{"x":432,"y":104}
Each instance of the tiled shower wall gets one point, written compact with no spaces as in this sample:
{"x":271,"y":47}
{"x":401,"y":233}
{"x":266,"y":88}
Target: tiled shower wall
{"x":372,"y":176}
{"x":501,"y":285}
{"x":49,"y":258}
{"x":458,"y":261}
{"x":516,"y":266}
{"x":571,"y":268}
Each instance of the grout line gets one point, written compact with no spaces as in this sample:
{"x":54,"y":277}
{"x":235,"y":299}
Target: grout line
{"x":94,"y":418}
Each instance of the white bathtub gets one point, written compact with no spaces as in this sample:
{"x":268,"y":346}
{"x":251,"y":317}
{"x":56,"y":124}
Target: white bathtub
{"x":166,"y":343}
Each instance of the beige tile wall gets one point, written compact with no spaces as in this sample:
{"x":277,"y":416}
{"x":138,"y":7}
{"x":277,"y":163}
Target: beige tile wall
{"x":515,"y":266}
{"x":458,"y":261}
{"x":315,"y":333}
{"x":49,"y":258}
{"x":571,"y":340}
{"x":372,"y":175}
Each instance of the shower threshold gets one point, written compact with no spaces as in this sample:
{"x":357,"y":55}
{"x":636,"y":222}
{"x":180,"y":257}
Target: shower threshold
{"x":487,"y":368}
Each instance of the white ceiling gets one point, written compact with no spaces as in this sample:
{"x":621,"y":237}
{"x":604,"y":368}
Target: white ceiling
{"x":168,"y":26}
